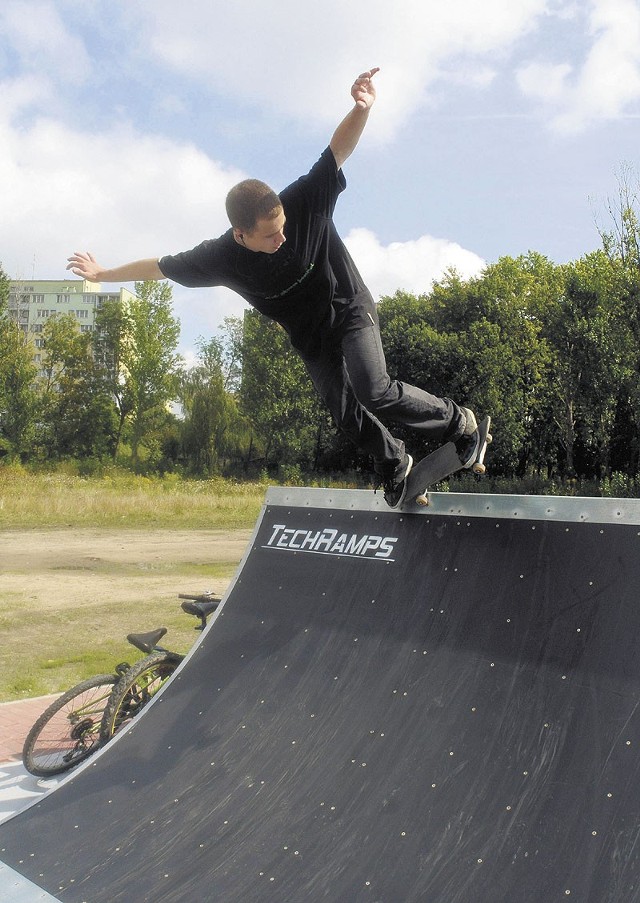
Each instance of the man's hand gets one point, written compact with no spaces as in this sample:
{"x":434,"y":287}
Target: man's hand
{"x":83,"y":264}
{"x":347,"y":135}
{"x":363,"y":90}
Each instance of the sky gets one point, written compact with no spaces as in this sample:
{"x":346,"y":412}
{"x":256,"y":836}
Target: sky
{"x":499,"y":128}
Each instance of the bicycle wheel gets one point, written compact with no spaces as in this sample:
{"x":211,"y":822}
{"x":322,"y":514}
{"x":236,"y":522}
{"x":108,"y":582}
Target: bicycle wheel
{"x":69,"y":730}
{"x":135,"y":689}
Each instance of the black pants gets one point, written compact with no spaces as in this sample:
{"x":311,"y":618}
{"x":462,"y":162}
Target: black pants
{"x":353,"y":382}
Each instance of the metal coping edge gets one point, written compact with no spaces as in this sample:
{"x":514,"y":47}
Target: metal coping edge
{"x":569,"y":509}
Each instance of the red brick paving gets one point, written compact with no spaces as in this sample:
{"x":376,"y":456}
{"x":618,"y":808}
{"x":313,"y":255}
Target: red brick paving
{"x":16,"y":719}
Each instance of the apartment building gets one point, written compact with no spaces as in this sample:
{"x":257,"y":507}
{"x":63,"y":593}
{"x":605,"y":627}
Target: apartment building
{"x":32,"y":302}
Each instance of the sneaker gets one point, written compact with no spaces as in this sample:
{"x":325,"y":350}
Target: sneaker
{"x":468,"y":445}
{"x":471,"y":424}
{"x":395,"y":486}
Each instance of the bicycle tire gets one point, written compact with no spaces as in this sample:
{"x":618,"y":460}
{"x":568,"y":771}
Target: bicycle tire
{"x":135,"y":689}
{"x":68,"y":731}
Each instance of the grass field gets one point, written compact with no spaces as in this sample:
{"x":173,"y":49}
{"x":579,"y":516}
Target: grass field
{"x":121,"y":499}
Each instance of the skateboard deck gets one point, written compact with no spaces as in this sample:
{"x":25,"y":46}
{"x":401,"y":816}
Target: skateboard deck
{"x":442,"y":463}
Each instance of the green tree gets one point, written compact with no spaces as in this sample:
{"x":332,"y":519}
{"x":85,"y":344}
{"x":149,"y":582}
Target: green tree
{"x":230,"y":352}
{"x":107,"y":343}
{"x":518,"y":361}
{"x":278,"y":398}
{"x":621,"y":244}
{"x":18,"y":402}
{"x":587,"y":364}
{"x":419,"y":349}
{"x":214,"y":431}
{"x":148,"y":364}
{"x":480,"y":343}
{"x":77,"y":415}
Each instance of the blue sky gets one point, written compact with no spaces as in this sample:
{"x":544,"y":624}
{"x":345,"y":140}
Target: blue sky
{"x":500,"y":127}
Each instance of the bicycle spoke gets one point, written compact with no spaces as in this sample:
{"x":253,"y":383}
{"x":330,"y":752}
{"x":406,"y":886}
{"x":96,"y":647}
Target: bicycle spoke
{"x":69,"y":730}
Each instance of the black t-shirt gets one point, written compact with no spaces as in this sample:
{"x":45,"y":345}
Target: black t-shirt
{"x":310,"y":285}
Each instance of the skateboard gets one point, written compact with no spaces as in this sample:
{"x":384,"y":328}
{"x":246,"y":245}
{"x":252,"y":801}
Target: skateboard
{"x":442,"y":463}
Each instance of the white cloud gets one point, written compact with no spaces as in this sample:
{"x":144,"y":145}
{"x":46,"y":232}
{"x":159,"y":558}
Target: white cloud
{"x":40,"y":39}
{"x":545,"y":81}
{"x":424,"y":49}
{"x":412,"y":265}
{"x":120,"y":194}
{"x":20,"y":95}
{"x":606,"y":85}
{"x":301,"y":58}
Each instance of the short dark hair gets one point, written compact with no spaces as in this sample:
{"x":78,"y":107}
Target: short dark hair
{"x":249,"y":201}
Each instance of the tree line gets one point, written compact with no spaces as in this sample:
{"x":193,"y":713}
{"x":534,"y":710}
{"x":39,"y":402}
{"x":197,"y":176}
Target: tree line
{"x":551,"y":351}
{"x":95,"y":394}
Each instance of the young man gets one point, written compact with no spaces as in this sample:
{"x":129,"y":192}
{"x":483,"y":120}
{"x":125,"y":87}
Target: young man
{"x":283,"y":255}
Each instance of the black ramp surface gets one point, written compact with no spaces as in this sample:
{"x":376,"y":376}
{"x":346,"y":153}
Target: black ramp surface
{"x":389,"y":708}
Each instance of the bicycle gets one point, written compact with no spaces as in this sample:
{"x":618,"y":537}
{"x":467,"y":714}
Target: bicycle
{"x":88,"y":715}
{"x":140,"y":683}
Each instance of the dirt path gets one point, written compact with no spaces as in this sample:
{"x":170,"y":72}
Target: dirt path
{"x":73,"y":548}
{"x":51,"y":569}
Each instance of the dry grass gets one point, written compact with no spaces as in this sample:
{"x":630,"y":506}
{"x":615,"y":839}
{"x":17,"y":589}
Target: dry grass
{"x":117,"y":499}
{"x":52,"y":651}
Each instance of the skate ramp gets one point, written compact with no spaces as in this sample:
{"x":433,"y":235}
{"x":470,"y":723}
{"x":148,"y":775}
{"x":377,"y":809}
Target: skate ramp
{"x":439,"y":707}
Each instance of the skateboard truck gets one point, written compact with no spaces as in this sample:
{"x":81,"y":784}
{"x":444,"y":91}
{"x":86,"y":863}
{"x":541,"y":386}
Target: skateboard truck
{"x":442,"y":463}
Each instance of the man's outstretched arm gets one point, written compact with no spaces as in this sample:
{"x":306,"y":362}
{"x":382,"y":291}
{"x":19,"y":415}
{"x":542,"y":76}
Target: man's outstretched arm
{"x":83,"y":264}
{"x":347,"y":135}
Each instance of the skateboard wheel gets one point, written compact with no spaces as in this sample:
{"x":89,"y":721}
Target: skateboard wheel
{"x":479,"y":468}
{"x":422,"y":500}
{"x":489,"y":438}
